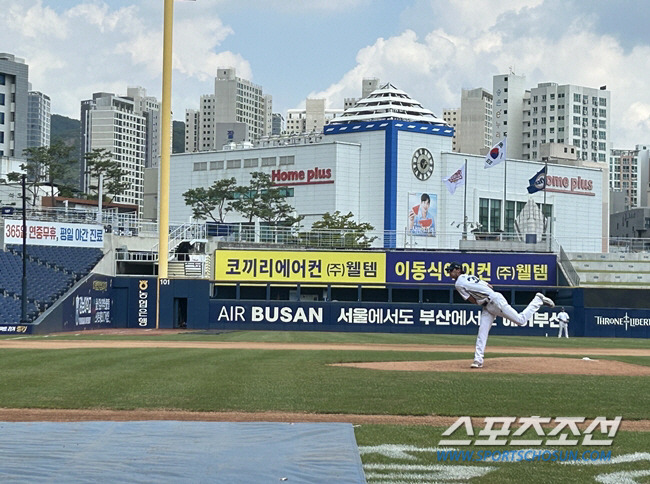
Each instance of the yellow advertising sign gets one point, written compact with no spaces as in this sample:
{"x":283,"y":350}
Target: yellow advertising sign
{"x":294,"y":266}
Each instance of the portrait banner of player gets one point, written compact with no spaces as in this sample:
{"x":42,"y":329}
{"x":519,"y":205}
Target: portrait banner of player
{"x":422,"y":212}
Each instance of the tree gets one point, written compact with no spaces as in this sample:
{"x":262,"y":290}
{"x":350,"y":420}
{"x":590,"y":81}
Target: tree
{"x":217,"y":197}
{"x":261,"y":199}
{"x":45,"y":164}
{"x":338,"y":231}
{"x":100,"y":162}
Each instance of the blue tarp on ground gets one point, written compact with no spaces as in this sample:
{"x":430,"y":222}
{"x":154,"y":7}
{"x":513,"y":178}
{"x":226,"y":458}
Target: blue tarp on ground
{"x":171,"y":451}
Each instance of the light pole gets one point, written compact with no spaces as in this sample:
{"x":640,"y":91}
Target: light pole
{"x":165,"y":139}
{"x":23,"y":296}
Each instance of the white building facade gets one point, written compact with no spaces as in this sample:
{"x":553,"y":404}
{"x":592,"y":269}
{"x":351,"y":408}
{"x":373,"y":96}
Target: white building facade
{"x":381,"y":170}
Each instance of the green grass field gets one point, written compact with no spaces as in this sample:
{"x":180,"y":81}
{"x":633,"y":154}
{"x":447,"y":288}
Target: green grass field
{"x":302,"y":381}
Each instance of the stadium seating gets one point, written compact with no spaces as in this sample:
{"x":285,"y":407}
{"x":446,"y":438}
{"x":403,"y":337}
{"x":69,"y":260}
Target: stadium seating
{"x":51,"y":271}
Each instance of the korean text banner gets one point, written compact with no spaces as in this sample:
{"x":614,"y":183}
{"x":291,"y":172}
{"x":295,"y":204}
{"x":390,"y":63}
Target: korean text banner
{"x":54,"y":233}
{"x":286,"y":266}
{"x":496,"y":269}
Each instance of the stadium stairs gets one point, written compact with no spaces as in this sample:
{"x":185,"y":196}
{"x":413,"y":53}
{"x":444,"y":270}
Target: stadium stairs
{"x":612,"y":269}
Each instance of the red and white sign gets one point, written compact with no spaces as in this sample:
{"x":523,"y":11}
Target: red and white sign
{"x":313,"y":176}
{"x":54,"y":233}
{"x":574,"y":186}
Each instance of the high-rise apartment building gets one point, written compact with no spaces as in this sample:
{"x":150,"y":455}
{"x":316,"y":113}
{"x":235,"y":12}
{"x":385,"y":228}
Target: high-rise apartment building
{"x":277,"y":124}
{"x":509,"y":91}
{"x":629,"y":174}
{"x":112,"y":123}
{"x":452,"y":118}
{"x":149,"y":107}
{"x":570,"y":115}
{"x":312,"y":119}
{"x":235,"y":100}
{"x":368,"y":85}
{"x":38,"y":119}
{"x":14,"y":86}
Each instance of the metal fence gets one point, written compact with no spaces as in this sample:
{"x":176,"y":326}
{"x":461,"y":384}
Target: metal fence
{"x":128,"y":224}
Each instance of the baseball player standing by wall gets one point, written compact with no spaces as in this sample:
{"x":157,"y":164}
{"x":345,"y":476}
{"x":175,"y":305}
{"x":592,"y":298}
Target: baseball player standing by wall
{"x":563,"y":318}
{"x":476,"y":291}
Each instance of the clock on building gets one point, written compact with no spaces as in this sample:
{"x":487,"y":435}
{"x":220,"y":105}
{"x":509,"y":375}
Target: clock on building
{"x":422,"y":164}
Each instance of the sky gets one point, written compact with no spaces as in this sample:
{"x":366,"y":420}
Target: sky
{"x":323,"y":49}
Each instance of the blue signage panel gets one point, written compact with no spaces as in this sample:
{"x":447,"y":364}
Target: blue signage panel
{"x":15,"y":329}
{"x":377,"y":317}
{"x":142,"y":303}
{"x":497,"y":269}
{"x":617,"y":323}
{"x":90,"y":305}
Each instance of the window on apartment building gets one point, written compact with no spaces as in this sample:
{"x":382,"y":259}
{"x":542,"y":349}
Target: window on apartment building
{"x":552,"y":95}
{"x":576,"y":97}
{"x":2,"y":80}
{"x":2,"y":99}
{"x":2,"y":118}
{"x":200,"y":166}
{"x":534,"y":99}
{"x":216,"y":165}
{"x":602,"y":101}
{"x":251,"y":162}
{"x":268,"y":161}
{"x":233,"y":164}
{"x":602,"y":113}
{"x":602,"y":135}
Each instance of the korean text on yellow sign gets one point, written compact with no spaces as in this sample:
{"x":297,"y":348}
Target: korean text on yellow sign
{"x":285,"y":266}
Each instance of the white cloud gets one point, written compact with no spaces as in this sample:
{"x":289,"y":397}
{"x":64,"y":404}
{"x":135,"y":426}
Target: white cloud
{"x":434,"y":69}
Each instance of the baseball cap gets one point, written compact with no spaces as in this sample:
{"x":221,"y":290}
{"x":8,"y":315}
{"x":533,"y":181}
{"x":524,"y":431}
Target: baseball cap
{"x":452,"y":266}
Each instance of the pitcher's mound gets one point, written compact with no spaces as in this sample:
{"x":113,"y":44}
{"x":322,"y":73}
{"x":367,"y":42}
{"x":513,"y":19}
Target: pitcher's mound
{"x":561,"y":366}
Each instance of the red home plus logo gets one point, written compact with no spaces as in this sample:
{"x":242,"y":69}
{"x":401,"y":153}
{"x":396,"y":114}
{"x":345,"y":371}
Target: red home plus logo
{"x":575,"y":186}
{"x":302,"y":177}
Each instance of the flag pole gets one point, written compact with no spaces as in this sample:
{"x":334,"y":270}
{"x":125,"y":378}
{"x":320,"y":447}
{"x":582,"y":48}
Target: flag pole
{"x":545,"y":180}
{"x":505,"y":176}
{"x":465,"y":205}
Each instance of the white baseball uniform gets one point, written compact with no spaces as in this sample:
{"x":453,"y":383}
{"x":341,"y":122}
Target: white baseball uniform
{"x":493,"y":304}
{"x":563,"y":319}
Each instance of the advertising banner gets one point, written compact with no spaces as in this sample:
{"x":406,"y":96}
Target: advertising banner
{"x":296,"y":267}
{"x":89,"y":307}
{"x":422,"y":210}
{"x":617,"y":323}
{"x":496,"y":269}
{"x":379,"y":317}
{"x":54,"y":233}
{"x":144,"y":305}
{"x":15,"y":329}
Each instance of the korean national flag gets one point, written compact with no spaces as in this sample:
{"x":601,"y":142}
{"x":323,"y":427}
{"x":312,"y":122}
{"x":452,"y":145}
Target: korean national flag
{"x":538,"y":182}
{"x":496,"y":155}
